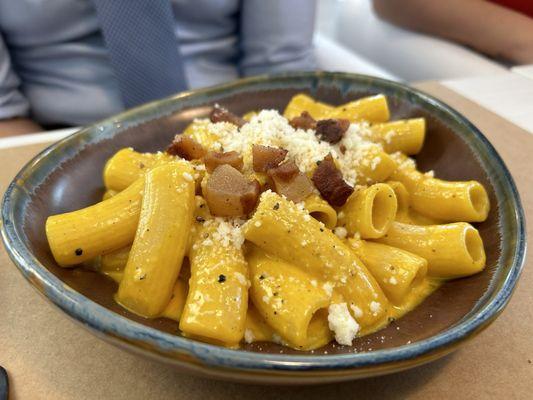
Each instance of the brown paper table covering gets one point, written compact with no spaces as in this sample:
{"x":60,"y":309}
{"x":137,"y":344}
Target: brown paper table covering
{"x":48,"y":356}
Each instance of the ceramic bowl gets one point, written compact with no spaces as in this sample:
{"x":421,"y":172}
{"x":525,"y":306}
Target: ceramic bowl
{"x":67,"y":176}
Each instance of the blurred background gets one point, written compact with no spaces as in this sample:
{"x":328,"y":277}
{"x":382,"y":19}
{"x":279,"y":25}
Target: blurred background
{"x":67,"y":64}
{"x":351,"y":37}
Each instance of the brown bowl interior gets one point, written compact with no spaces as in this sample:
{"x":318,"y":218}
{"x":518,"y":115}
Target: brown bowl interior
{"x":78,"y":183}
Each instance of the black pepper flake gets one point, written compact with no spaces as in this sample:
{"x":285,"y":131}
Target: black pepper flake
{"x":275,"y":293}
{"x":202,"y":205}
{"x":318,"y":162}
{"x":221,"y":278}
{"x":321,"y":230}
{"x":78,"y":252}
{"x":261,"y":277}
{"x":275,"y":313}
{"x":391,"y":320}
{"x":276,"y":206}
{"x":143,"y":276}
{"x":200,"y":219}
{"x":141,"y":165}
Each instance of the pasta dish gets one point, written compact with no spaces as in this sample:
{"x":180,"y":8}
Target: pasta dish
{"x":297,"y":228}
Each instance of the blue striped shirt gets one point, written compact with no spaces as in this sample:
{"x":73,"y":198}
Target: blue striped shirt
{"x":55,"y":69}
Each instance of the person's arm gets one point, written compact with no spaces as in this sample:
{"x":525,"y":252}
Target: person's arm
{"x":489,"y":28}
{"x":14,"y":107}
{"x":18,"y":126}
{"x":276,"y":36}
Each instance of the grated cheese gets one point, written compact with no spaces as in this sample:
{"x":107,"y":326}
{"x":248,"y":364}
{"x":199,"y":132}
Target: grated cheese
{"x":277,"y":338}
{"x":389,"y":135}
{"x":269,"y":128}
{"x":228,"y":232}
{"x":375,"y":307}
{"x":188,"y":177}
{"x":341,"y":232}
{"x":328,"y":288}
{"x":249,"y":336}
{"x":357,"y":312}
{"x":342,"y":323}
{"x":241,"y":278}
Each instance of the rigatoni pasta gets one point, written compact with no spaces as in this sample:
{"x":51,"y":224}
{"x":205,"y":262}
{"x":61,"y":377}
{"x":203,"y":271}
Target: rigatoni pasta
{"x":286,"y":297}
{"x":157,"y":252}
{"x":218,"y":287}
{"x":370,"y":211}
{"x":451,"y":250}
{"x":295,"y":229}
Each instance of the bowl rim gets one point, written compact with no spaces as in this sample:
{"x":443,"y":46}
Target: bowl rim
{"x":136,"y":335}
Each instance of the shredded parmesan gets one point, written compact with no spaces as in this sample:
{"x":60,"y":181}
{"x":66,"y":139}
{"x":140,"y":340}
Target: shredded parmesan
{"x":269,"y":128}
{"x":375,"y":307}
{"x":357,"y":312}
{"x":249,"y":336}
{"x":342,"y":323}
{"x":228,"y":232}
{"x":341,"y":232}
{"x":328,"y":288}
{"x":188,"y":177}
{"x":241,"y":278}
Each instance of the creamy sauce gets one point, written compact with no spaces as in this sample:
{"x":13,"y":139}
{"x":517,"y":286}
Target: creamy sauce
{"x":416,"y":296}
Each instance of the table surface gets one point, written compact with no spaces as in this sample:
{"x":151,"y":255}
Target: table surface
{"x":508,"y":94}
{"x":49,"y":356}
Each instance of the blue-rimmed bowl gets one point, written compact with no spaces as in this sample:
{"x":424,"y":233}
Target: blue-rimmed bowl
{"x":67,"y":176}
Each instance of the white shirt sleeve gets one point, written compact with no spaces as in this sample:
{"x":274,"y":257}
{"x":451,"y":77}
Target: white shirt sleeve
{"x":276,"y":36}
{"x":12,"y":101}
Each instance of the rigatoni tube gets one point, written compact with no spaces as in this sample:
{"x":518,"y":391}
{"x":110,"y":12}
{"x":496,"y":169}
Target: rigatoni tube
{"x":374,"y":166}
{"x":127,"y":165}
{"x":218,"y":287}
{"x":281,"y":228}
{"x":372,"y":109}
{"x":160,"y":242}
{"x":451,"y":250}
{"x":370,"y":211}
{"x":397,"y":271}
{"x":320,"y":210}
{"x":286,"y":297}
{"x":405,"y":135}
{"x":449,"y":201}
{"x":84,"y":234}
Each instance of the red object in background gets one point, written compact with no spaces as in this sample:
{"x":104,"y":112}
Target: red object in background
{"x":523,"y":6}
